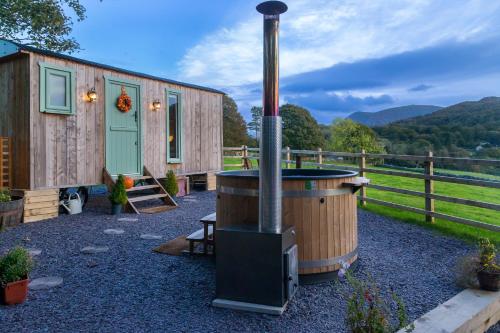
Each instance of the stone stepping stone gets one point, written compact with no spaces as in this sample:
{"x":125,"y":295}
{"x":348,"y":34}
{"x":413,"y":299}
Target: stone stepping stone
{"x":114,"y":231}
{"x":190,"y":200}
{"x":94,"y":249}
{"x":34,"y":252}
{"x":45,"y":282}
{"x":150,"y":236}
{"x":189,"y":197}
{"x":127,"y":219}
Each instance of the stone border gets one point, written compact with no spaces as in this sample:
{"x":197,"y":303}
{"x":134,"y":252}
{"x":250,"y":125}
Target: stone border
{"x":471,"y":310}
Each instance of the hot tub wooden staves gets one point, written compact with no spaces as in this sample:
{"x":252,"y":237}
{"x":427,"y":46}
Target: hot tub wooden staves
{"x":319,"y":203}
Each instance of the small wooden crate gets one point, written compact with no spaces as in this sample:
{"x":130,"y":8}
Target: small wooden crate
{"x":40,"y":205}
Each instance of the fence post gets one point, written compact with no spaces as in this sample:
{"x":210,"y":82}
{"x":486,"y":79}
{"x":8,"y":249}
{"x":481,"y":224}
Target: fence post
{"x":288,"y":157}
{"x":429,"y":187}
{"x":319,"y":158}
{"x":362,"y":167}
{"x":298,"y":162}
{"x":244,"y":157}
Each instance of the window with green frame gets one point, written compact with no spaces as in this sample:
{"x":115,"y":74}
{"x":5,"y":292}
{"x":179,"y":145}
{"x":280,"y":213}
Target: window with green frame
{"x":57,"y":89}
{"x":174,"y":126}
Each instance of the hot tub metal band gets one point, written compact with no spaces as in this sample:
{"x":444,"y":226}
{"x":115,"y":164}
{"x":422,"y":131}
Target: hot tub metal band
{"x":248,"y":192}
{"x":329,"y":261}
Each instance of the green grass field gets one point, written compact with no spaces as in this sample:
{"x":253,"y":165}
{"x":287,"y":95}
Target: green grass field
{"x":454,"y":190}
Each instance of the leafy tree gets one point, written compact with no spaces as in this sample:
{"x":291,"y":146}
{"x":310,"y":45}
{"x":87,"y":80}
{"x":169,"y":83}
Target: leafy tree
{"x":235,"y":127}
{"x":349,"y":136}
{"x":254,"y":125}
{"x":40,"y":23}
{"x":325,"y":130}
{"x":300,"y":129}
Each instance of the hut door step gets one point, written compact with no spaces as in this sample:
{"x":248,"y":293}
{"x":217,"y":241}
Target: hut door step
{"x":136,"y":194}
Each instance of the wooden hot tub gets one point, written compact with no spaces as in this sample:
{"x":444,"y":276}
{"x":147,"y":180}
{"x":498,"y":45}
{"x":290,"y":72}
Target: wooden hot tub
{"x":321,"y":204}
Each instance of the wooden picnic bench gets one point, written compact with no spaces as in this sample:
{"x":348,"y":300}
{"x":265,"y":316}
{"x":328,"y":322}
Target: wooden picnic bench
{"x":204,"y":235}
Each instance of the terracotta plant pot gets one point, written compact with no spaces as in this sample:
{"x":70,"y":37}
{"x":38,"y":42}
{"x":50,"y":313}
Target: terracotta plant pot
{"x":116,"y":209}
{"x":15,"y":292}
{"x":489,"y":280}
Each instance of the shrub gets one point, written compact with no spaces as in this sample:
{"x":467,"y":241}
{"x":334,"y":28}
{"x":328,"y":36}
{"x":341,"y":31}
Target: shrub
{"x":5,"y":196}
{"x":466,"y":272}
{"x":171,"y":183}
{"x":369,"y":312}
{"x":118,"y":194}
{"x":15,"y":265}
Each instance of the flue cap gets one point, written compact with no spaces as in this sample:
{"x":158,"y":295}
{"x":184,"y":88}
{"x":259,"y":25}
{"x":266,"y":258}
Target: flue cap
{"x":272,"y":8}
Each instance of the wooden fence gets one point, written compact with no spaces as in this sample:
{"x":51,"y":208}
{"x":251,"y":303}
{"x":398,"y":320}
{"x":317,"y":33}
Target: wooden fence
{"x":298,"y":158}
{"x":5,"y":162}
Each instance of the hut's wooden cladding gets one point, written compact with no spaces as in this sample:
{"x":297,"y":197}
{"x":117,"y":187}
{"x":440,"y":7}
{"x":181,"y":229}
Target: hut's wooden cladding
{"x":325,"y":229}
{"x":53,"y":151}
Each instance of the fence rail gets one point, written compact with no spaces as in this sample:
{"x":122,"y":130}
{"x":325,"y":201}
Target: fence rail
{"x":5,"y":162}
{"x":427,"y":176}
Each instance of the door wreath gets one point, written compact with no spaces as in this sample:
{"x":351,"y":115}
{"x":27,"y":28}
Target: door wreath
{"x":124,"y":102}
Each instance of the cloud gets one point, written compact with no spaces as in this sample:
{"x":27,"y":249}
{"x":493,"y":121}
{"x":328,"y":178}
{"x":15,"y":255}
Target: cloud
{"x":365,"y":55}
{"x":420,"y":87}
{"x":334,"y":32}
{"x":324,"y":101}
{"x":446,"y":61}
{"x":453,"y":72}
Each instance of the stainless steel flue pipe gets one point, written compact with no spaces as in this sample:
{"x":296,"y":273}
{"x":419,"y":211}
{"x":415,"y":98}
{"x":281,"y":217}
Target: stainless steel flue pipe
{"x":270,"y":142}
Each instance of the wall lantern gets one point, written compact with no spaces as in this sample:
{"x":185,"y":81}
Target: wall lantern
{"x":92,"y":95}
{"x":156,"y":105}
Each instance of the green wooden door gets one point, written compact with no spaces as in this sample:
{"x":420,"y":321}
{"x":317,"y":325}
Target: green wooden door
{"x":123,"y":129}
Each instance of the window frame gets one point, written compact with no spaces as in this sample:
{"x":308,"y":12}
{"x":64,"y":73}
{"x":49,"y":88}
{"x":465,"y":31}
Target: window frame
{"x":178,"y":93}
{"x":47,"y":69}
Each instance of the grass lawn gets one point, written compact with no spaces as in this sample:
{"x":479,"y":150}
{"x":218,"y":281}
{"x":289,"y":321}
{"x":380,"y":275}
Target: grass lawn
{"x":454,"y":190}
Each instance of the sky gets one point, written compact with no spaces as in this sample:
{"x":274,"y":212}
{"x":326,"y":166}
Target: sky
{"x":336,"y":56}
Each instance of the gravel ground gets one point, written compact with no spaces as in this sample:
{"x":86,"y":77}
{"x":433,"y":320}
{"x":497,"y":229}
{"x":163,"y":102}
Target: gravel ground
{"x":131,"y":289}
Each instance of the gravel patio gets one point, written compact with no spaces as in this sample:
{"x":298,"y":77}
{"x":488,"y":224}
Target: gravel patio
{"x":132,"y":289}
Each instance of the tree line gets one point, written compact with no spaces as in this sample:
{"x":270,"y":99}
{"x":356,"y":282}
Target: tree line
{"x":300,"y":130}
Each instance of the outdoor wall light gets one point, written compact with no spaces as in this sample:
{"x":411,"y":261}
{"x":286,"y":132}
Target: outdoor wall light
{"x":92,"y":95}
{"x":156,"y":105}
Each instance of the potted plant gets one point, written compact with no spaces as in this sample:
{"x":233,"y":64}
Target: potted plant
{"x":118,"y":196}
{"x":488,"y":273}
{"x":15,"y":267}
{"x":11,"y":209}
{"x":171,"y":185}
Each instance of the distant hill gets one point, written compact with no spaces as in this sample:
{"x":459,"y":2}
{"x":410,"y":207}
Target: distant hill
{"x":456,"y":130}
{"x":391,"y":115}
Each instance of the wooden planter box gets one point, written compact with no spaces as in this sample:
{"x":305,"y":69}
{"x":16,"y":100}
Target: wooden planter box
{"x":40,"y":205}
{"x":11,"y":213}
